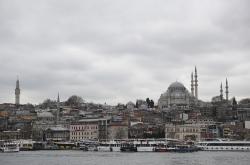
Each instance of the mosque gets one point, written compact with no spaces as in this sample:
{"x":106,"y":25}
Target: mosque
{"x":178,"y":96}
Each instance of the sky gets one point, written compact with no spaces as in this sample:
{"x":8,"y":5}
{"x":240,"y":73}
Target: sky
{"x":116,"y":51}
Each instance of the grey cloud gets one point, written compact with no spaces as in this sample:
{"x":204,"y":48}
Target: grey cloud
{"x":115,"y":51}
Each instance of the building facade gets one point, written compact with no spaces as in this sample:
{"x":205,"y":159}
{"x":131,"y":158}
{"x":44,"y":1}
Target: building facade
{"x":183,"y":132}
{"x":57,"y":133}
{"x":84,"y":130}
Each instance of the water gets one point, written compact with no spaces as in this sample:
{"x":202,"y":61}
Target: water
{"x":117,"y":158}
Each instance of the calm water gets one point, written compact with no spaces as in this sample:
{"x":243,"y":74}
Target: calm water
{"x":113,"y":158}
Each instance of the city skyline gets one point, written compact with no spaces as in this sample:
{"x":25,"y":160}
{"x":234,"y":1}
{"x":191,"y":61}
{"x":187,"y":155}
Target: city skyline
{"x":117,"y":51}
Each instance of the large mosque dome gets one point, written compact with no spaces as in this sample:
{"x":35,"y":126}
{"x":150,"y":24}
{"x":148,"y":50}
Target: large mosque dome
{"x":176,"y":95}
{"x":177,"y":85}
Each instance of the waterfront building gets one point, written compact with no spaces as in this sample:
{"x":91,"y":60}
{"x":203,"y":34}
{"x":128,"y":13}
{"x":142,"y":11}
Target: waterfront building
{"x":57,"y":133}
{"x":10,"y":135}
{"x":183,"y":132}
{"x":91,"y":129}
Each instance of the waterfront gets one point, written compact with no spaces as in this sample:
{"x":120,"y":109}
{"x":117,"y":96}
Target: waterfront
{"x":117,"y":158}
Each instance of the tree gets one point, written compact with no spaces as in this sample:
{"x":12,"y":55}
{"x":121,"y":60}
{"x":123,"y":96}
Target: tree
{"x":48,"y":103}
{"x":74,"y":100}
{"x":136,"y":104}
{"x":148,"y":102}
{"x":152,"y":104}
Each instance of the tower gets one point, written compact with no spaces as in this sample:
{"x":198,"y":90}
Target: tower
{"x":227,"y":91}
{"x":58,"y":108}
{"x":196,"y":83}
{"x":192,"y":84}
{"x":17,"y":93}
{"x":221,"y":92}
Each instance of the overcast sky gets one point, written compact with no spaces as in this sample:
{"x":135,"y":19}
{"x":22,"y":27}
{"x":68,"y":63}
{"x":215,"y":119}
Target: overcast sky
{"x":120,"y":50}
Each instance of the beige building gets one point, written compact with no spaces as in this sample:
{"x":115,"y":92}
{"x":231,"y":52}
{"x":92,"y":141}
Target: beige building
{"x":183,"y":132}
{"x":84,"y":129}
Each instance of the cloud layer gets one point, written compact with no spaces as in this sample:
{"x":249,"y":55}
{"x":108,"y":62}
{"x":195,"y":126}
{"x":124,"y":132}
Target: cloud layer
{"x":116,"y":51}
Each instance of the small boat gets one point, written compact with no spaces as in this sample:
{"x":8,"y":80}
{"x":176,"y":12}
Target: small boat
{"x":8,"y":146}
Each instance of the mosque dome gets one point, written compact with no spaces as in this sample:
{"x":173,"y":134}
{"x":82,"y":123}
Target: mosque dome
{"x":176,"y":95}
{"x":176,"y":85}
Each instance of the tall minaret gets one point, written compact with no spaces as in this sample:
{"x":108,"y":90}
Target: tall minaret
{"x":221,"y":92}
{"x":196,"y":83}
{"x":227,"y":91}
{"x":58,"y":108}
{"x":192,"y":84}
{"x":17,"y":93}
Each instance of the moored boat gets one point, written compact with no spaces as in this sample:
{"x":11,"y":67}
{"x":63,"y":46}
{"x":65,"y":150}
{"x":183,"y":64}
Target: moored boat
{"x":221,"y":145}
{"x":128,"y":147}
{"x":161,"y":148}
{"x":25,"y":145}
{"x":9,"y":146}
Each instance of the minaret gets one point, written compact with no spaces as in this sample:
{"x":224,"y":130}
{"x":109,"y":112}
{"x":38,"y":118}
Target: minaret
{"x":227,"y":91}
{"x":17,"y":93}
{"x":58,"y":108}
{"x":196,"y":83}
{"x":221,"y":92}
{"x":192,"y":84}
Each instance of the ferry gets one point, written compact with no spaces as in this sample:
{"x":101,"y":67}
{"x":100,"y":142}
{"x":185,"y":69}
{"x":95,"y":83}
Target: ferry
{"x":88,"y":145}
{"x":138,"y":145}
{"x":128,"y":147}
{"x":161,"y":148}
{"x":25,"y":145}
{"x":219,"y":145}
{"x":8,"y":146}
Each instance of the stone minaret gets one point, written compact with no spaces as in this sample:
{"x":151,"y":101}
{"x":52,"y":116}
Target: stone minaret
{"x":196,"y":83}
{"x":58,"y":108}
{"x":192,"y":84}
{"x":227,"y":91}
{"x":17,"y":93}
{"x":221,"y":92}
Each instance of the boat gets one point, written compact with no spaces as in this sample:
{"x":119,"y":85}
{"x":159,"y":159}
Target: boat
{"x":184,"y":148}
{"x":104,"y":148}
{"x":145,"y":145}
{"x":161,"y":148}
{"x":8,"y":146}
{"x":220,"y":145}
{"x":25,"y":145}
{"x":128,"y":147}
{"x":88,"y":145}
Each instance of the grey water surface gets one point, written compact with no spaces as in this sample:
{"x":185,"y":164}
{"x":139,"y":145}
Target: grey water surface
{"x":117,"y":158}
